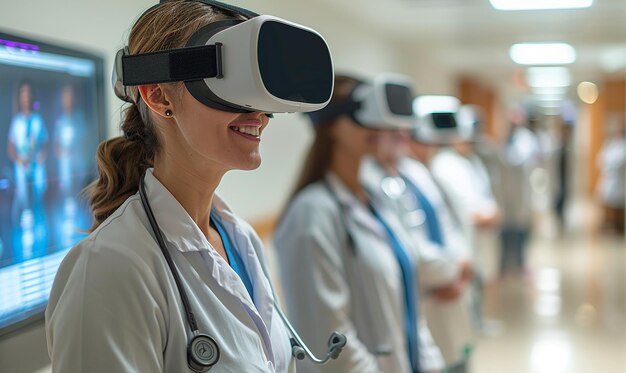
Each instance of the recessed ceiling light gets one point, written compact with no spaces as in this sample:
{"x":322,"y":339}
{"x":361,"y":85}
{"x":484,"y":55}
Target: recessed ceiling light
{"x":540,"y":4}
{"x":542,"y":53}
{"x":548,"y":77}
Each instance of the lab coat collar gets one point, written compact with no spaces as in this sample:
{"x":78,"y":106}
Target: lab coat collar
{"x":183,"y":233}
{"x":358,"y":213}
{"x":175,"y":223}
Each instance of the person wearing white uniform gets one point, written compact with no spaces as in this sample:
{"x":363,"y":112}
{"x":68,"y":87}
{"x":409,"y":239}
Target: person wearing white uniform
{"x":345,"y":261}
{"x":170,"y":279}
{"x":521,"y":155}
{"x":463,"y":178}
{"x":612,"y":186}
{"x":445,"y":256}
{"x":27,"y":148}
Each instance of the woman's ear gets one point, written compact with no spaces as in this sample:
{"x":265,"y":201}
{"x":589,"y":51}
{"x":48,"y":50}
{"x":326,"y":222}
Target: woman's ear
{"x":157,"y":99}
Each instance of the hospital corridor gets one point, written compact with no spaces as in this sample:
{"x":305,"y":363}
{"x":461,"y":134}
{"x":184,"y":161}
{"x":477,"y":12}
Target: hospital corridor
{"x":566,"y":316}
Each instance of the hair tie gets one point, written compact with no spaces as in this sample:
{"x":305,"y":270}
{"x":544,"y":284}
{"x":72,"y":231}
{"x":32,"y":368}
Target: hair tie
{"x":133,"y":136}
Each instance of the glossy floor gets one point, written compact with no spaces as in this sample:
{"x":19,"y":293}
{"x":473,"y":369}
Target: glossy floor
{"x":567,"y":314}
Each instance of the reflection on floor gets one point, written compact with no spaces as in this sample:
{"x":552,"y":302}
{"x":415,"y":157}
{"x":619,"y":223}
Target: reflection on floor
{"x":567,"y":315}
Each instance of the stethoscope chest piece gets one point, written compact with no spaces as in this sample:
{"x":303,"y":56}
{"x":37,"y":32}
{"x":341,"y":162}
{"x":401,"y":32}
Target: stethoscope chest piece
{"x":203,"y":353}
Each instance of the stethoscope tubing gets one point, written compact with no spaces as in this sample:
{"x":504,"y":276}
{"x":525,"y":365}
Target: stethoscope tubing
{"x":185,"y":300}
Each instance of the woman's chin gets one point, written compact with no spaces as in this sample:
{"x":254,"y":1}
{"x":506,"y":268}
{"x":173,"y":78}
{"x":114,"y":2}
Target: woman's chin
{"x":250,"y":164}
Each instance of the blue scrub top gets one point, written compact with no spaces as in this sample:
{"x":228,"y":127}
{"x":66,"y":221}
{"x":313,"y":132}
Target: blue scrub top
{"x":408,"y":277}
{"x":233,"y":257}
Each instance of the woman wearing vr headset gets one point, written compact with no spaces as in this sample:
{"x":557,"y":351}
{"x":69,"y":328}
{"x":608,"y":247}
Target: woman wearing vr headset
{"x":446,"y":267}
{"x":345,"y":262}
{"x":170,"y":279}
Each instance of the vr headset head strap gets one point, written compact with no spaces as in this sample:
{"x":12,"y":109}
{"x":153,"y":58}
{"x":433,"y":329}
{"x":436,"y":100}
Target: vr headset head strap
{"x":183,"y":64}
{"x":170,"y":66}
{"x":332,"y":111}
{"x":230,"y":8}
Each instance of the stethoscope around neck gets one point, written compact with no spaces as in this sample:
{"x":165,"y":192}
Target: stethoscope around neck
{"x":202,"y":350}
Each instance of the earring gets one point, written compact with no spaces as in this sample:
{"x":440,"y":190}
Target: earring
{"x":168,"y":113}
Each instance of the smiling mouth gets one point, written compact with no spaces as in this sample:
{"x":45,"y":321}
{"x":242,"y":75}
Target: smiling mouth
{"x":248,"y":131}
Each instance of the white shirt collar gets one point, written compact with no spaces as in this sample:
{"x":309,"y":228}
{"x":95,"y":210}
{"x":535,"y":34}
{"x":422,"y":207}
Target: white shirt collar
{"x":175,"y":223}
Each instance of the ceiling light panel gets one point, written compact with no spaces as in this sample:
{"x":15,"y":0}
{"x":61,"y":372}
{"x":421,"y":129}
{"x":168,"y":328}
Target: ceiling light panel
{"x":548,"y":77}
{"x":540,"y":4}
{"x":542,"y":53}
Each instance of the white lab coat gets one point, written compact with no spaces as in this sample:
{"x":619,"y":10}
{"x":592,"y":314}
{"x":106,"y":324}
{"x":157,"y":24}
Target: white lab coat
{"x":612,"y":163}
{"x":466,"y":181}
{"x":448,"y":321}
{"x":521,"y":155}
{"x":330,"y":285}
{"x":114,"y":305}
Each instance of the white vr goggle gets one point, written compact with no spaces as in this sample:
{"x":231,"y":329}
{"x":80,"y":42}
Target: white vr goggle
{"x":384,"y":103}
{"x":262,"y":64}
{"x":470,"y":120}
{"x":437,"y":121}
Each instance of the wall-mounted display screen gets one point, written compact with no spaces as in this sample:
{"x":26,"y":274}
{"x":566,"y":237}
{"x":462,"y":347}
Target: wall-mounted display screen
{"x":51,"y":121}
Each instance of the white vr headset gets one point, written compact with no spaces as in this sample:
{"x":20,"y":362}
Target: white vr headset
{"x":264,"y":64}
{"x":470,"y":120}
{"x":383,"y":103}
{"x":437,"y":121}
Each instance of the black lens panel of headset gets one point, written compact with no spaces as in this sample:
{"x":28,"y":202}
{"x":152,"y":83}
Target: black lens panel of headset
{"x":284,"y":56}
{"x":399,"y":99}
{"x":444,"y":120}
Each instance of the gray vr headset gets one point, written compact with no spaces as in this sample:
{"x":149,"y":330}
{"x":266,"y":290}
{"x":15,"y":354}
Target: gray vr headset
{"x":262,"y":64}
{"x":437,"y":121}
{"x":382,"y":103}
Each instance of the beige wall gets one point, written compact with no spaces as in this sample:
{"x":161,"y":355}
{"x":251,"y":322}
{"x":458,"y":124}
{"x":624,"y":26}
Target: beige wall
{"x":102,"y":27}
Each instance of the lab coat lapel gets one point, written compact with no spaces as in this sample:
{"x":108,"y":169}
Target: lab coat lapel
{"x":261,"y":310}
{"x":182,"y":233}
{"x":358,"y":214}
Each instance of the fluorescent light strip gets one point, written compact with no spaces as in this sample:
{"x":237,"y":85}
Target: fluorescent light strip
{"x":549,"y":90}
{"x":549,"y":104}
{"x":549,"y":97}
{"x":540,"y":4}
{"x":428,"y":104}
{"x":548,"y":77}
{"x":542,"y":53}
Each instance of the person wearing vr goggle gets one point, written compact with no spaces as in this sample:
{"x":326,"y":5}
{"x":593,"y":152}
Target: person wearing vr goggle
{"x":458,"y":164}
{"x":445,"y":252}
{"x":170,"y":279}
{"x":361,"y":272}
{"x":465,"y":179}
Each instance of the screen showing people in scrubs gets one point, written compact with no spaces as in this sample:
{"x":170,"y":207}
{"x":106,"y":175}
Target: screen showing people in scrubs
{"x":48,"y":140}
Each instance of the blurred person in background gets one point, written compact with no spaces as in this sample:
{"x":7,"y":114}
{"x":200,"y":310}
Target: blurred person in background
{"x":446,"y":267}
{"x":67,"y":142}
{"x":520,"y":155}
{"x":27,"y":148}
{"x":612,"y":186}
{"x":71,"y":169}
{"x":464,"y":179}
{"x":346,"y":263}
{"x":565,"y":134}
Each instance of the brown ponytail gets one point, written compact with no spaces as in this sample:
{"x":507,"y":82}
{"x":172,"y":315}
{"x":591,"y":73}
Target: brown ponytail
{"x":123,"y":160}
{"x":318,"y":160}
{"x":121,"y":163}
